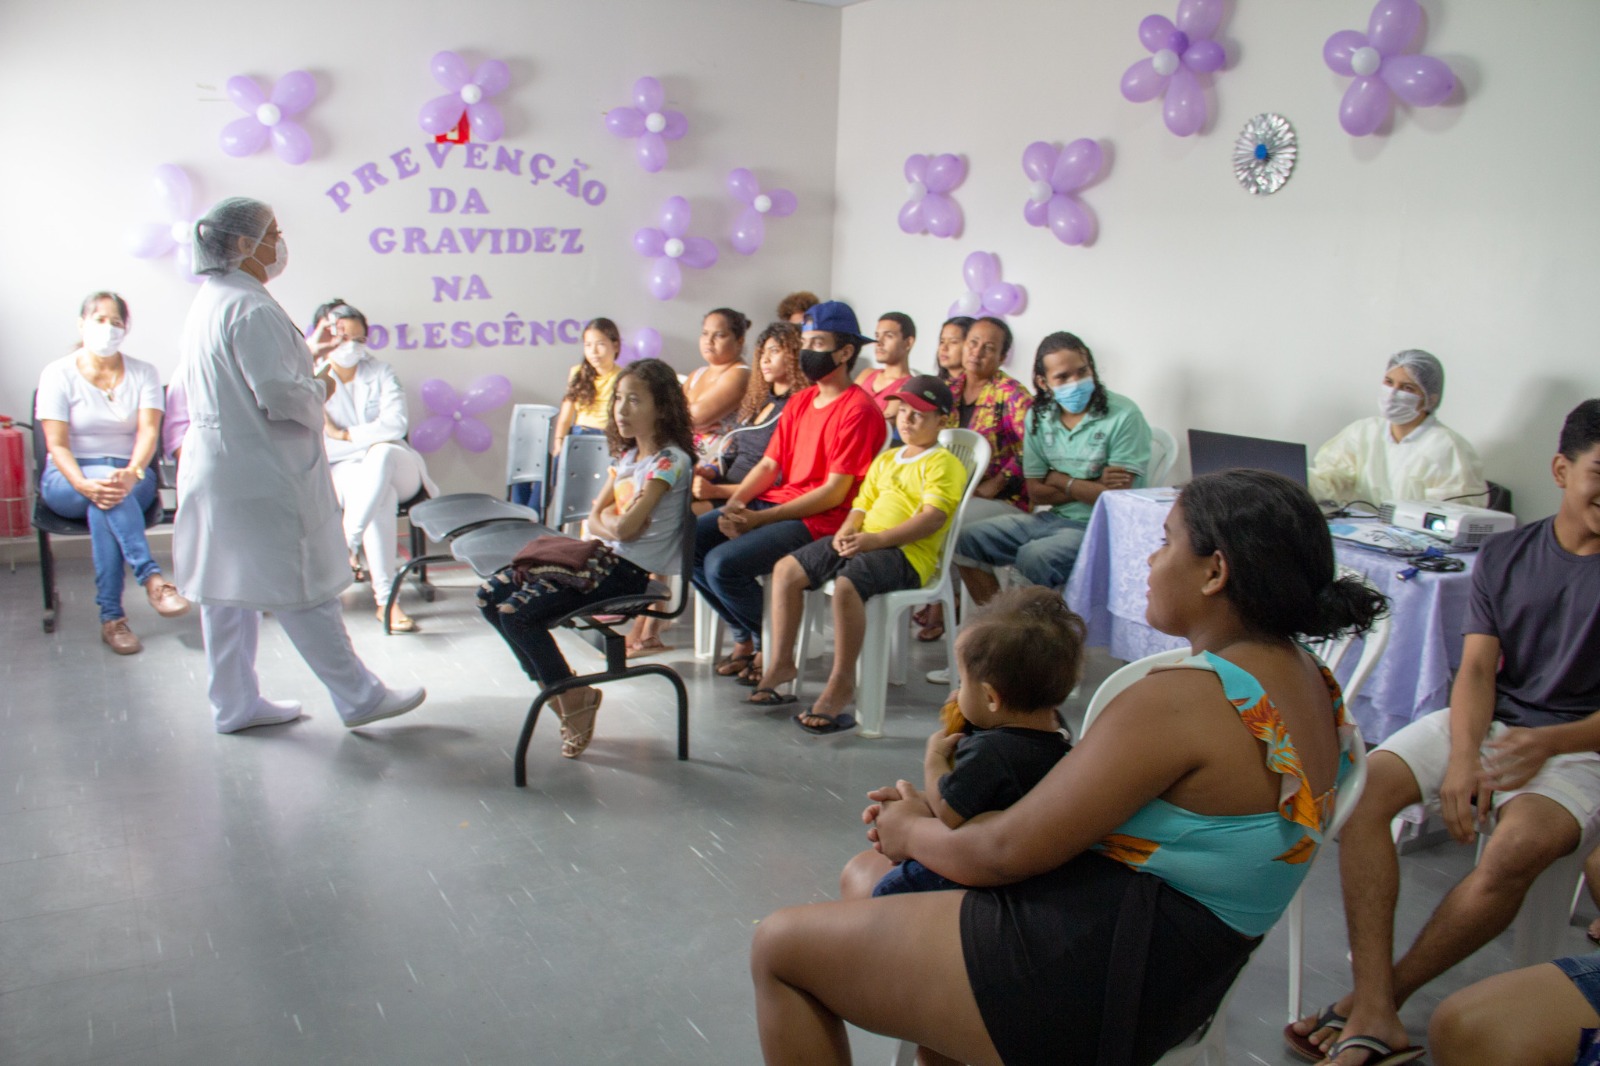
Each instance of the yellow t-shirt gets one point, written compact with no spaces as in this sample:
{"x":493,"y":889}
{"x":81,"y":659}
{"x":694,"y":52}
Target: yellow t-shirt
{"x":593,"y":415}
{"x":896,"y":488}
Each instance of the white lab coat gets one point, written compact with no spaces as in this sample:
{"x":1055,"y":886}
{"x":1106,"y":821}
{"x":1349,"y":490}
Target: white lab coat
{"x":1364,"y":462}
{"x":373,"y":408}
{"x":258,"y":526}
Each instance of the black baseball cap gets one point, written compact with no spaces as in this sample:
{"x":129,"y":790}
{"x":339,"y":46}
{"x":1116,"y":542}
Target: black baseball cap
{"x":927,"y":393}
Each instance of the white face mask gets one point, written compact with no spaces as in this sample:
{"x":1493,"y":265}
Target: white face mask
{"x":1398,"y":407}
{"x":281,"y":251}
{"x":102,"y":338}
{"x":348,"y":354}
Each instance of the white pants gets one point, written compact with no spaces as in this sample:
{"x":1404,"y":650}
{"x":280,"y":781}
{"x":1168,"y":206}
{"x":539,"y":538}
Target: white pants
{"x":370,"y":490}
{"x":319,"y":636}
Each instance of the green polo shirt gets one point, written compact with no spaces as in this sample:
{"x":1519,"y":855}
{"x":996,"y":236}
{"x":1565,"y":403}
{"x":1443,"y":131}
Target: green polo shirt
{"x":1120,"y":437}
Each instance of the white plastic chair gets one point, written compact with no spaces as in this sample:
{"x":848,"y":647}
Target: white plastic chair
{"x":883,"y":653}
{"x":1163,"y":454}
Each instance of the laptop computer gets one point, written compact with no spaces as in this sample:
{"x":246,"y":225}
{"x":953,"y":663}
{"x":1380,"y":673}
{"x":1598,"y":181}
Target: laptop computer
{"x":1210,"y":452}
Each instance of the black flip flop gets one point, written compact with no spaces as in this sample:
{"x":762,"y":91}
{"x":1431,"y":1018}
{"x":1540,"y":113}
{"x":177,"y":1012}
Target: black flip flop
{"x":742,"y":662}
{"x":770,"y":697}
{"x":837,"y":723}
{"x":1301,"y":1045}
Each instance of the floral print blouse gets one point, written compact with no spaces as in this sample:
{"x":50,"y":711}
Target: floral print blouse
{"x":1000,"y":414}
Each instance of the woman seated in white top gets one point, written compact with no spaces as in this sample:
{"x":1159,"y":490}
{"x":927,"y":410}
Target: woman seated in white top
{"x":373,"y":467}
{"x":1404,"y":453}
{"x":101,"y":415}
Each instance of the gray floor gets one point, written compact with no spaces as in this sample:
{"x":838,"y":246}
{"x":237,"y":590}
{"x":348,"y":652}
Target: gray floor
{"x":309,"y":894}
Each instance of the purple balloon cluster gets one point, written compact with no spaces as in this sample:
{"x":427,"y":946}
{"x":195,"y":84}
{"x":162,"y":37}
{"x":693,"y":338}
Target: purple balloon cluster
{"x":151,"y":240}
{"x":643,"y":343}
{"x":465,"y":93}
{"x":455,"y":413}
{"x":1057,"y":173}
{"x":672,"y":248}
{"x":270,"y":117}
{"x":750,"y":229}
{"x":1384,"y":69}
{"x":1179,"y":52}
{"x":986,"y":294}
{"x":647,"y":121}
{"x":929,"y":208}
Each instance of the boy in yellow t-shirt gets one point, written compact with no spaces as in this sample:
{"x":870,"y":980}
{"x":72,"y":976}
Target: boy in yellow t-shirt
{"x":890,"y":541}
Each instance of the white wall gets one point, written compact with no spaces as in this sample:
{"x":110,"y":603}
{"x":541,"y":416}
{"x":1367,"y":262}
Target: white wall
{"x":1471,"y":231}
{"x":118,"y":88}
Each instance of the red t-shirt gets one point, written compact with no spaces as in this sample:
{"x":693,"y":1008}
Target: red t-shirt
{"x":811,"y":443}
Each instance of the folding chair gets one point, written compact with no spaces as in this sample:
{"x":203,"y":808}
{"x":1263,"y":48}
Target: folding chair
{"x":1163,"y":454}
{"x":492,"y":548}
{"x":884,"y":652}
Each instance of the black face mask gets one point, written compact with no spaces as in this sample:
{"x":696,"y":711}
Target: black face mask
{"x":817,"y":365}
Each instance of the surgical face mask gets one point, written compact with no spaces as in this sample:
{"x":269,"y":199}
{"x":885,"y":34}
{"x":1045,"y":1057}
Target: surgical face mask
{"x":102,"y":338}
{"x":348,"y":354}
{"x":281,"y":260}
{"x":1075,"y":397}
{"x":1398,"y":407}
{"x":817,"y":365}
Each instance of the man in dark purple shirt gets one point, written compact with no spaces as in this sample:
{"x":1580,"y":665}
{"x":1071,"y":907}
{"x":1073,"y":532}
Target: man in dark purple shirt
{"x":1522,"y":730}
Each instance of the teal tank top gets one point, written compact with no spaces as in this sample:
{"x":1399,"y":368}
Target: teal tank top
{"x":1246,"y":868}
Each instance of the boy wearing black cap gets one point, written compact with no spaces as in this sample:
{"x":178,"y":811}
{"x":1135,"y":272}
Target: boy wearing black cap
{"x":890,"y":541}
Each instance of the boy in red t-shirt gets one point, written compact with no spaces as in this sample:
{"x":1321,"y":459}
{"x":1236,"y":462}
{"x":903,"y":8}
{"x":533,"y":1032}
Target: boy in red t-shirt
{"x":801,"y":489}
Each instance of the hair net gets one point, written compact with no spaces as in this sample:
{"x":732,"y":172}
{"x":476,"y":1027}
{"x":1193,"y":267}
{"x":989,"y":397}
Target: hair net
{"x":216,"y":246}
{"x":1427,"y":369}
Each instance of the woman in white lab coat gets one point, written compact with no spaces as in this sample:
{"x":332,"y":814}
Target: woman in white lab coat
{"x":258,"y":527}
{"x":364,"y":432}
{"x":1404,"y":452}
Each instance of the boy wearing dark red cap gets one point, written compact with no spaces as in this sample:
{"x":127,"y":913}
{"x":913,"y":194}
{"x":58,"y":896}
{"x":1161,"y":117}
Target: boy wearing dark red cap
{"x":890,"y":541}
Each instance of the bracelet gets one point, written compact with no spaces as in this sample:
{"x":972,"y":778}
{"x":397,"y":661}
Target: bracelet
{"x":1070,"y":482}
{"x":138,"y":473}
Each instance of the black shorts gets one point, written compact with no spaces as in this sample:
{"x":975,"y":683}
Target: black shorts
{"x":874,"y":572}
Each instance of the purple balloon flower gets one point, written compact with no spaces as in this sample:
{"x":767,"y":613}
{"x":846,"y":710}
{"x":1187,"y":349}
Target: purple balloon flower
{"x":454,"y":413}
{"x":1178,"y":53}
{"x":151,"y":240}
{"x":986,"y":294}
{"x":647,"y":121}
{"x":269,"y":117}
{"x":466,"y":95}
{"x":1383,"y":67}
{"x":1057,"y":173}
{"x":670,"y":246}
{"x":749,"y":229}
{"x":929,"y":208}
{"x":643,"y":343}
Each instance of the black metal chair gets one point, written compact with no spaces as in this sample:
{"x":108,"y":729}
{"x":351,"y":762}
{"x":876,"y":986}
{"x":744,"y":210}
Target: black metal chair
{"x":491,"y":548}
{"x":1499,"y":498}
{"x":49,"y":524}
{"x":443,"y":519}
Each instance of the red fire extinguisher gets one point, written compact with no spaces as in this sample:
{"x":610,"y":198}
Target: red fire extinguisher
{"x":13,"y":482}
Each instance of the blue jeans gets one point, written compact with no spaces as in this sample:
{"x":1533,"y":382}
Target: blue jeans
{"x":1041,"y":546}
{"x":725,"y":570}
{"x":912,"y":876}
{"x":115,"y":536}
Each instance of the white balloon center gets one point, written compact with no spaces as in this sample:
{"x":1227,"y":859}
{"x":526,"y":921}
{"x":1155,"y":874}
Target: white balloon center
{"x":181,"y":231}
{"x":1366,"y":61}
{"x":456,"y":415}
{"x":762,"y":203}
{"x":1041,"y":192}
{"x":916,"y":190}
{"x":269,"y":114}
{"x":1165,"y":62}
{"x":673,"y":248}
{"x":655,"y":122}
{"x":471,"y":93}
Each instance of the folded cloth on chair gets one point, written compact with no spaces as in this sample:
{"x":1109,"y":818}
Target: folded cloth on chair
{"x":563,"y":562}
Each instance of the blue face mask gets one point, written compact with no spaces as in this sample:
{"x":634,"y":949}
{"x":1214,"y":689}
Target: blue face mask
{"x":1075,"y":397}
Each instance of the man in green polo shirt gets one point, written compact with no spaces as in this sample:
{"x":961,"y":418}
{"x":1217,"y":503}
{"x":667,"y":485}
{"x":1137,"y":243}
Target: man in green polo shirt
{"x":1082,"y":439}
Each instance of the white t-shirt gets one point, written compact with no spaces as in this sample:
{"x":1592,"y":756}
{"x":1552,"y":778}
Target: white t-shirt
{"x":97,"y":426}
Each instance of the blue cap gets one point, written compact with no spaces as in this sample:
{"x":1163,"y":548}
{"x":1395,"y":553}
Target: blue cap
{"x":838,"y":318}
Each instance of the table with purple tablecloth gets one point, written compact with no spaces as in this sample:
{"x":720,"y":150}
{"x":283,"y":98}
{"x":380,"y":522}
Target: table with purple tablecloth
{"x":1413,"y":677}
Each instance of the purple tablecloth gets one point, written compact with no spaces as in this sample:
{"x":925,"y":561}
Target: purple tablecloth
{"x":1412,"y":678}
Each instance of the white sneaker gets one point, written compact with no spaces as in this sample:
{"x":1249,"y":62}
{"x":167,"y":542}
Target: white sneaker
{"x":395,"y":702}
{"x":938,"y":677}
{"x":270,"y":712}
